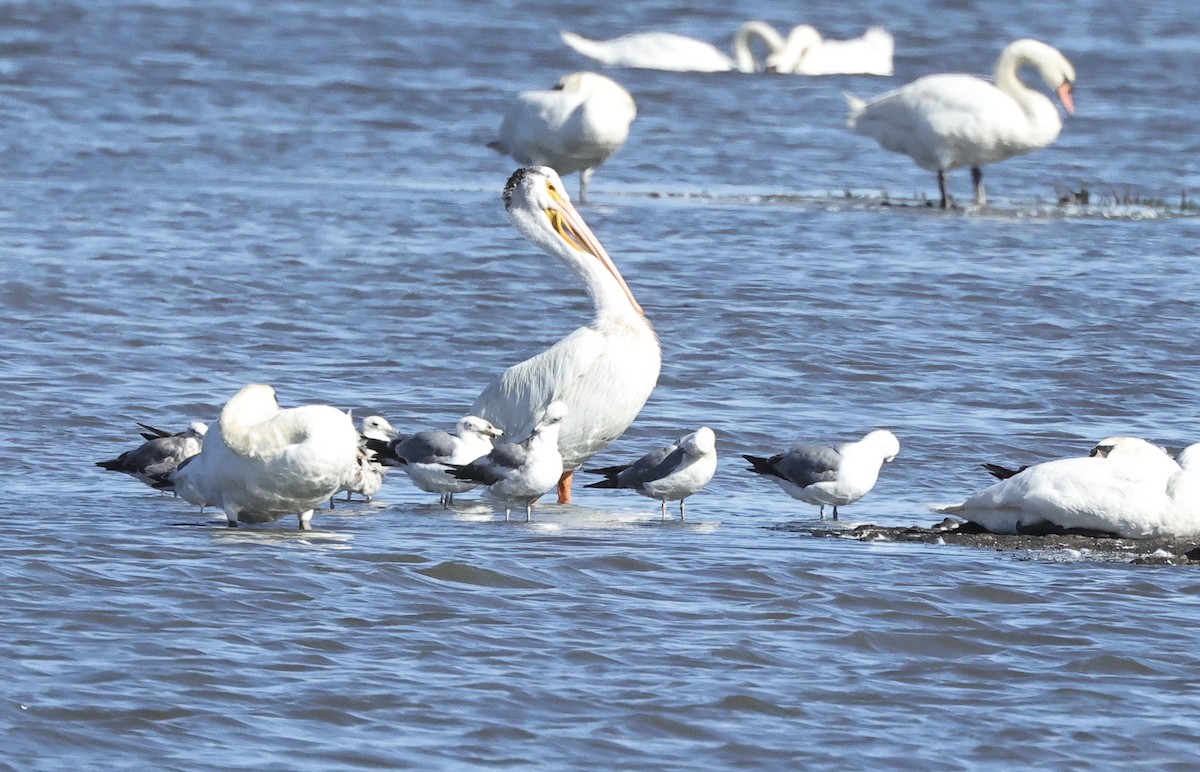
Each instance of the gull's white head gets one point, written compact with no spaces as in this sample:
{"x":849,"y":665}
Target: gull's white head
{"x":701,"y":442}
{"x":554,"y":413}
{"x":196,"y":429}
{"x":884,"y":442}
{"x":475,"y":425}
{"x":377,"y":428}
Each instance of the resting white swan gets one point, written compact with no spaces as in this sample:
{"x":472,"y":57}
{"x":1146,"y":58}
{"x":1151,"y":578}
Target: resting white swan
{"x":805,"y":52}
{"x":604,"y":371}
{"x":264,"y":462}
{"x":1128,"y":487}
{"x":944,"y":122}
{"x":802,"y":53}
{"x":574,"y":127}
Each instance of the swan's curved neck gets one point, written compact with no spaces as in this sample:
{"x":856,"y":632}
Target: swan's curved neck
{"x":743,"y":56}
{"x":1044,"y":121}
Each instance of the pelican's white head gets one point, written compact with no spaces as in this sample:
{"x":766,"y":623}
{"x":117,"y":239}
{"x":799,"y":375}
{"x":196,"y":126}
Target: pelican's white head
{"x":701,"y":442}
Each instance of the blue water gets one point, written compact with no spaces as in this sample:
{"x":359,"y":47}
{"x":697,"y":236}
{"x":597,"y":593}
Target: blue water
{"x":202,"y":195}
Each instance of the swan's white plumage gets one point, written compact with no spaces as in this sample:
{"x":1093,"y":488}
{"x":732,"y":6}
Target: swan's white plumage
{"x":603,"y":371}
{"x":264,"y":462}
{"x":574,"y":127}
{"x":1133,"y":489}
{"x":803,"y":52}
{"x":945,"y":122}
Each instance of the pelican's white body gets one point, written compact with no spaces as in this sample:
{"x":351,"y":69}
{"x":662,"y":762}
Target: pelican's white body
{"x":574,"y":127}
{"x":1137,"y":491}
{"x":604,"y":371}
{"x":264,"y":462}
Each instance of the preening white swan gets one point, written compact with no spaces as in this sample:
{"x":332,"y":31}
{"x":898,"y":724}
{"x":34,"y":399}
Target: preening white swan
{"x":603,"y":371}
{"x":805,"y":52}
{"x":264,"y":462}
{"x":802,"y":53}
{"x":574,"y":127}
{"x":944,"y":122}
{"x":1127,"y":487}
{"x":837,"y":474}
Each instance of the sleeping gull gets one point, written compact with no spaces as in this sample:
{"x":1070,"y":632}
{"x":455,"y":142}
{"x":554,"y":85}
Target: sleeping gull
{"x":1128,"y":488}
{"x":830,"y":474}
{"x":517,"y":474}
{"x":425,"y":455}
{"x":160,"y":454}
{"x":671,"y":473}
{"x":264,"y":462}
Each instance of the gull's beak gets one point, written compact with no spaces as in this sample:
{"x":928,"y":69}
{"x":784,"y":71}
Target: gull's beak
{"x":1064,"y":96}
{"x":569,"y":225}
{"x":493,"y":431}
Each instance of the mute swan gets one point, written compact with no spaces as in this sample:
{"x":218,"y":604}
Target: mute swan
{"x":944,"y":122}
{"x":1134,"y":490}
{"x":830,"y":474}
{"x":805,"y":52}
{"x":802,"y":53}
{"x":671,"y":473}
{"x":574,"y":127}
{"x":264,"y":462}
{"x":159,"y":455}
{"x":517,"y":474}
{"x":605,"y":370}
{"x":425,"y":456}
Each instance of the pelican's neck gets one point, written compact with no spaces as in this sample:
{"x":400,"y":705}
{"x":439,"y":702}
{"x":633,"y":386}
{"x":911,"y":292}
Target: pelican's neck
{"x":743,"y":56}
{"x":1041,"y":112}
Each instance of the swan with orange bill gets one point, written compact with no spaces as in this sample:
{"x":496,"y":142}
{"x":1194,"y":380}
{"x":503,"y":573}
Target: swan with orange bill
{"x":603,"y":371}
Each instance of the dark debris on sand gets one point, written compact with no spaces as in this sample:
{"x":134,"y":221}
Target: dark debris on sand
{"x":1165,"y":551}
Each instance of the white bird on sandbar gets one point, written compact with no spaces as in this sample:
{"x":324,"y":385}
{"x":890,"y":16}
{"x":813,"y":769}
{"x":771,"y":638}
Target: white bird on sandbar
{"x":574,"y":127}
{"x":671,"y":473}
{"x":160,"y":454}
{"x":425,"y":456}
{"x":1126,"y":487}
{"x":947,"y":121}
{"x":605,"y":370}
{"x":264,"y":462}
{"x":803,"y":52}
{"x":518,"y":474}
{"x":837,"y":475}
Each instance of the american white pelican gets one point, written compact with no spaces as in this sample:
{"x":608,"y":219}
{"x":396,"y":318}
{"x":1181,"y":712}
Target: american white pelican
{"x":603,"y":371}
{"x":425,"y":455}
{"x":803,"y":52}
{"x":944,"y":122}
{"x":830,"y":474}
{"x":574,"y":127}
{"x":160,"y":454}
{"x":264,"y":462}
{"x":1131,"y":488}
{"x":517,"y":474}
{"x":671,"y":473}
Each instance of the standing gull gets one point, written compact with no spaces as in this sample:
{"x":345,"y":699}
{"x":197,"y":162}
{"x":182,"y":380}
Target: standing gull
{"x":671,"y":473}
{"x":830,"y":474}
{"x":573,"y":127}
{"x":605,"y":370}
{"x":425,"y":456}
{"x":518,"y":474}
{"x":368,"y":478}
{"x":160,"y":455}
{"x":264,"y":462}
{"x":947,"y":121}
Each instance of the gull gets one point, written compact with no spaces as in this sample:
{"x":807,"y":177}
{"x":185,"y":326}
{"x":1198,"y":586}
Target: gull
{"x":264,"y":462}
{"x":671,"y":473}
{"x":425,"y":457}
{"x":518,"y":474}
{"x":369,"y":478}
{"x":160,"y":454}
{"x":837,"y":475}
